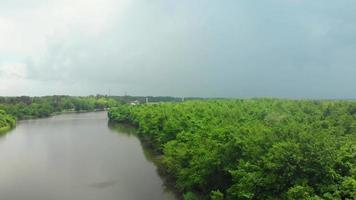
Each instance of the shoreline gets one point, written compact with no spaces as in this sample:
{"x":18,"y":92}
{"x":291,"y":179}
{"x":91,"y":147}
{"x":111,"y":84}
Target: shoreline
{"x":6,"y":129}
{"x":154,"y":156}
{"x":61,"y":113}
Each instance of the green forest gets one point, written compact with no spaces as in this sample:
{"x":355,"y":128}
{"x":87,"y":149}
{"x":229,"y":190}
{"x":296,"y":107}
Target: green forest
{"x":19,"y":108}
{"x":25,"y":107}
{"x":253,"y":148}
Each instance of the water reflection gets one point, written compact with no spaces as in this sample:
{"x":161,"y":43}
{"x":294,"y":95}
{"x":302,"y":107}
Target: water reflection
{"x":148,"y":152}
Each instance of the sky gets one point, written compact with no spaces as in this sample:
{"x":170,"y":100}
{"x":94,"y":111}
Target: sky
{"x":201,"y":48}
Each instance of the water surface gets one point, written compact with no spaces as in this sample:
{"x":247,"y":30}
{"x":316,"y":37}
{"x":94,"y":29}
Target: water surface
{"x":76,"y":157}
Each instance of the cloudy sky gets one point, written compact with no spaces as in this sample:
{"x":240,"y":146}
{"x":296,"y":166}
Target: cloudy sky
{"x":209,"y":48}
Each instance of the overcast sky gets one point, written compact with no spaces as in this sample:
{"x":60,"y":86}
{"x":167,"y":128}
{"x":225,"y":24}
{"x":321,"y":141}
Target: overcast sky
{"x":208,"y":48}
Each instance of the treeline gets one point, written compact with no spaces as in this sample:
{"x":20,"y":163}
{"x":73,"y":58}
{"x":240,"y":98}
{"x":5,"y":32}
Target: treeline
{"x":153,"y":99}
{"x":25,"y":107}
{"x":253,"y":149}
{"x":34,"y":107}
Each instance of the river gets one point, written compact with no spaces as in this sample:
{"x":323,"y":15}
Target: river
{"x":76,"y":157}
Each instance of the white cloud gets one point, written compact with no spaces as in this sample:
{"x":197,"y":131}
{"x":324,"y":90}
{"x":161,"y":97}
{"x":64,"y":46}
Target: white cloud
{"x":195,"y":48}
{"x":13,"y":70}
{"x":12,"y":77}
{"x":27,"y":33}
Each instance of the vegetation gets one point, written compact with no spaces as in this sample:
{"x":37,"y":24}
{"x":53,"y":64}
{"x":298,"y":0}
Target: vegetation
{"x":253,"y":149}
{"x":17,"y":108}
{"x":6,"y":121}
{"x":34,"y":107}
{"x":142,"y":99}
{"x":25,"y":107}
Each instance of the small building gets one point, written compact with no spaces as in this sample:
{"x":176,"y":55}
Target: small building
{"x":133,"y":103}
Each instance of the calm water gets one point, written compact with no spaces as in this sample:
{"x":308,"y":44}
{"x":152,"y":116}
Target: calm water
{"x":76,"y":157}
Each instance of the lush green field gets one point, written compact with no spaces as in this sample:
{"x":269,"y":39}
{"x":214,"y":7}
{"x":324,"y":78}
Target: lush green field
{"x":253,"y":149}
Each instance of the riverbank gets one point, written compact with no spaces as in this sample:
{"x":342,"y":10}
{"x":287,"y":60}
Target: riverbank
{"x":39,"y":107}
{"x":62,"y":112}
{"x":260,"y":148}
{"x":73,"y":157}
{"x":5,"y":129}
{"x":6,"y":122}
{"x":150,"y":153}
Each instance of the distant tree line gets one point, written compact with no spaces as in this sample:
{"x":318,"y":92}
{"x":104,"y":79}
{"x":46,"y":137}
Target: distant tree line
{"x":25,"y":107}
{"x":252,"y":149}
{"x":153,"y":99}
{"x":34,"y":107}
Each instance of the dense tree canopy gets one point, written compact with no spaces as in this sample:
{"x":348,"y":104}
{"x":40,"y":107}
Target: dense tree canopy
{"x":253,"y":149}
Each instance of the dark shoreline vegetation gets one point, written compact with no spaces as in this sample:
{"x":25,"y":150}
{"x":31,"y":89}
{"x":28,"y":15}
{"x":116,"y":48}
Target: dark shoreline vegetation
{"x":13,"y":109}
{"x":252,"y":149}
{"x":6,"y":122}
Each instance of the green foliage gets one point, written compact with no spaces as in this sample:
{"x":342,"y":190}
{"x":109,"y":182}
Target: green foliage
{"x":13,"y":108}
{"x":253,"y":149}
{"x":35,"y":107}
{"x":190,"y":196}
{"x":119,"y":114}
{"x":6,"y":121}
{"x":216,"y":195}
{"x":299,"y":192}
{"x":348,"y":188}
